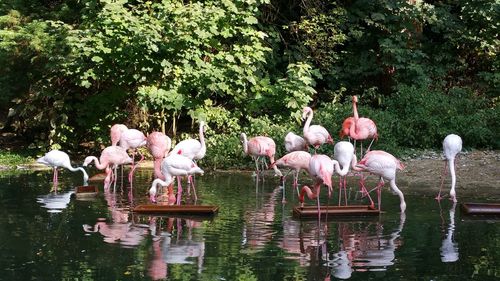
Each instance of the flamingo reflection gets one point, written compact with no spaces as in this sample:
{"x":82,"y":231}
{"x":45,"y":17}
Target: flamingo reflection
{"x":55,"y":202}
{"x":362,"y":251}
{"x":120,"y":230}
{"x":449,"y":248}
{"x":170,"y":246}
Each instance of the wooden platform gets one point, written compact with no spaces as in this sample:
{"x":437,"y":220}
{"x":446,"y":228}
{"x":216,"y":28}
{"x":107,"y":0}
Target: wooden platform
{"x":335,"y":211}
{"x":194,"y":210}
{"x":86,"y":191}
{"x":490,"y":209}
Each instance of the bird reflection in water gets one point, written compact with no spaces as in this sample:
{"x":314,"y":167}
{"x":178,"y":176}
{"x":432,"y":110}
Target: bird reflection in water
{"x":449,"y":248}
{"x":172,"y":246}
{"x":360,"y":250}
{"x":122,"y":229}
{"x":55,"y":201}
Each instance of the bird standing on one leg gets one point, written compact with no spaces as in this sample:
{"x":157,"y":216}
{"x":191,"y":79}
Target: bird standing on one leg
{"x":452,"y":145}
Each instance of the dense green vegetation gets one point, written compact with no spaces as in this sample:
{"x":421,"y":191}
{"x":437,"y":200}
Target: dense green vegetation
{"x":422,"y":70}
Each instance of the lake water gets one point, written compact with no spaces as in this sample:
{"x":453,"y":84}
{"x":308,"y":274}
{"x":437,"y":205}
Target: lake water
{"x":48,"y":235}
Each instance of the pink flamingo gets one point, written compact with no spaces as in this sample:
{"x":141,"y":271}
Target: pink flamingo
{"x":346,"y":127}
{"x":294,"y":142}
{"x":116,"y":133}
{"x":321,"y":169}
{"x":383,"y":165}
{"x":260,"y":146}
{"x":296,"y":160}
{"x":452,"y":145}
{"x":158,"y":144}
{"x":192,"y":149}
{"x":362,"y":128}
{"x":55,"y":159}
{"x":343,"y":152}
{"x":110,"y":156}
{"x":315,"y":135}
{"x":133,"y":139}
{"x":172,"y":166}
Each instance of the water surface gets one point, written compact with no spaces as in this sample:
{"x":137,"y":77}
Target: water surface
{"x":47,"y":235}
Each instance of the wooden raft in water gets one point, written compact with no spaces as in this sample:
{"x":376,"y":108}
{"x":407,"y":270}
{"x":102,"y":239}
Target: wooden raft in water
{"x":335,"y":211}
{"x":86,"y":191}
{"x":195,"y":210}
{"x":481,"y":209}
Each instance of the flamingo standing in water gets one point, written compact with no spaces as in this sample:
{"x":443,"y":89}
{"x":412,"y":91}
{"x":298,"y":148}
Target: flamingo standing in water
{"x":133,"y":139}
{"x":260,"y":146}
{"x":361,"y":128}
{"x":192,"y":149}
{"x":174,"y":165}
{"x":321,"y":169}
{"x":315,"y":135}
{"x":296,"y":160}
{"x":383,"y":165}
{"x":295,"y":142}
{"x":343,"y":152}
{"x":110,"y":156}
{"x":56,"y":158}
{"x":452,"y":145}
{"x":158,"y":144}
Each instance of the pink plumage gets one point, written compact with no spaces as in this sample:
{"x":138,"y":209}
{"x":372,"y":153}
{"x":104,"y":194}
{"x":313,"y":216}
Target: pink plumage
{"x":383,"y":165}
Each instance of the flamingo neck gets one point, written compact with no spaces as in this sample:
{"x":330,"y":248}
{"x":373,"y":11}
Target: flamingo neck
{"x":157,"y":169}
{"x":336,"y":166}
{"x":355,"y":110}
{"x":97,"y":164}
{"x":203,"y":149}
{"x":308,"y":121}
{"x":245,"y":143}
{"x":394,"y":187}
{"x":451,"y":165}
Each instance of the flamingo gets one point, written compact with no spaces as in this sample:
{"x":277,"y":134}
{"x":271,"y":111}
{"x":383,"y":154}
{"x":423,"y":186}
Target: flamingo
{"x":132,"y":139}
{"x":452,"y":145}
{"x":174,"y":165}
{"x":110,"y":156}
{"x":116,"y":133}
{"x":296,"y":160}
{"x":260,"y":146}
{"x":362,"y":128}
{"x":315,"y":135}
{"x":295,"y":142}
{"x":321,"y":169}
{"x":384,"y":165}
{"x":158,"y":144}
{"x":343,"y":152}
{"x":346,"y":127}
{"x":192,"y":149}
{"x":56,"y":158}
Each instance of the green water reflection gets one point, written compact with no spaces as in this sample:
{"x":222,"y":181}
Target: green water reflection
{"x":54,"y":236}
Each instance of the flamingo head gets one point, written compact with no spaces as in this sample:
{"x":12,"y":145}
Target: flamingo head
{"x":355,"y":99}
{"x":152,"y":194}
{"x":306,"y":111}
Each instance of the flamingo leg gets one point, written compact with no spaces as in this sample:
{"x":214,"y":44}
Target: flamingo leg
{"x":443,"y":175}
{"x":345,"y":189}
{"x":179,"y":190}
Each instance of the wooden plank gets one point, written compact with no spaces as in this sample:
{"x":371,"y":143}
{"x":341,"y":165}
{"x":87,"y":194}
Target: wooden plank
{"x":335,"y":211}
{"x":177,"y":209}
{"x":86,"y":191}
{"x":481,"y":208}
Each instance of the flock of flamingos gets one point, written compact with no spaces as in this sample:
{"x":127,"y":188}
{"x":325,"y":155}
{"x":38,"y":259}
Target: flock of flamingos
{"x":181,"y":160}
